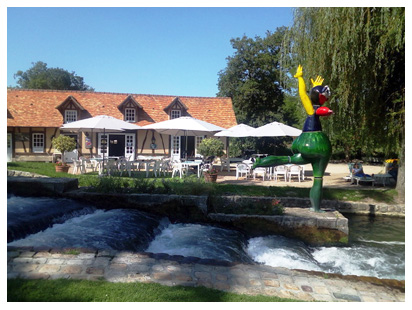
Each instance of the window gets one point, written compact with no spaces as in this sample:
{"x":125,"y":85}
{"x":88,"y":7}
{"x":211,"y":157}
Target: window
{"x":130,"y":115}
{"x":175,"y":114}
{"x":175,"y":145}
{"x":129,"y":146}
{"x":38,"y":142}
{"x":70,"y":116}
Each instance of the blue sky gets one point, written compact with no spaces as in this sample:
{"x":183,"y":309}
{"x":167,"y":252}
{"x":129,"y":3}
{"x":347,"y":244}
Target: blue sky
{"x":164,"y":51}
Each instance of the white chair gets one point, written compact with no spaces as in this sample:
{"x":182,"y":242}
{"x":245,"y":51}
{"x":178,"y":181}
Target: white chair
{"x":225,"y":163}
{"x":165,"y":166}
{"x":242,"y":169}
{"x":155,"y":167}
{"x":111,"y":166}
{"x":302,"y":172}
{"x":87,"y":164}
{"x":96,"y":164}
{"x":294,"y":170}
{"x":178,"y":168}
{"x":259,"y":171}
{"x":280,"y":170}
{"x":122,"y":166}
{"x":77,"y":166}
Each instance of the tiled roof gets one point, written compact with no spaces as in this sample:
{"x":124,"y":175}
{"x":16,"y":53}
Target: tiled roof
{"x":38,"y":108}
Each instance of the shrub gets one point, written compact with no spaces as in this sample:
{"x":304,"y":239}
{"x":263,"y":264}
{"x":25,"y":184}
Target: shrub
{"x":63,"y":144}
{"x":211,"y":147}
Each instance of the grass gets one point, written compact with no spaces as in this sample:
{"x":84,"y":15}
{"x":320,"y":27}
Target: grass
{"x":194,"y":186}
{"x":63,"y":290}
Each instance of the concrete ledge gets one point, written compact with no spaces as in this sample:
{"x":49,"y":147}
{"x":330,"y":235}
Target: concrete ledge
{"x":26,"y":186}
{"x":341,"y":206}
{"x":314,"y":228}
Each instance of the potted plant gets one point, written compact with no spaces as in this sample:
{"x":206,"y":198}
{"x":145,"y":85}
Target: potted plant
{"x":210,"y":175}
{"x":211,"y":147}
{"x":63,"y":144}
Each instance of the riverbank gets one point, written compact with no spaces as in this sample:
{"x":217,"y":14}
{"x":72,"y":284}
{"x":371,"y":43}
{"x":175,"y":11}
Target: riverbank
{"x":162,"y":268}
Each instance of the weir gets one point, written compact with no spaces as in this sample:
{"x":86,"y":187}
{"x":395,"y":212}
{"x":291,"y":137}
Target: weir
{"x":375,"y":248}
{"x":312,"y":227}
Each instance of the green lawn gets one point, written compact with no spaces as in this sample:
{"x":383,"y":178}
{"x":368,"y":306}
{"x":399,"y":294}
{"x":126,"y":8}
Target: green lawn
{"x":194,"y":186}
{"x":63,"y":290}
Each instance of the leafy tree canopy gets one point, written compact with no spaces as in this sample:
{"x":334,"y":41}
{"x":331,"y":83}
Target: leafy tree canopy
{"x":361,"y":54}
{"x":41,"y":77}
{"x":252,"y":80}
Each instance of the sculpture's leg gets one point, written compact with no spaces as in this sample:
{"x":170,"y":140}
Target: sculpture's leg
{"x":271,"y":161}
{"x":319,"y":165}
{"x":315,"y":194}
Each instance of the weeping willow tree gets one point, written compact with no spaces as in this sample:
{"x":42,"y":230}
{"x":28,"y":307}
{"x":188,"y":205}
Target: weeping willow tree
{"x":361,"y":54}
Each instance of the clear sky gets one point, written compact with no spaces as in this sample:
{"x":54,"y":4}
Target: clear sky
{"x":163,"y":51}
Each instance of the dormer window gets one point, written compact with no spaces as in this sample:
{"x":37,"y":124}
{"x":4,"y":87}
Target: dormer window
{"x":71,"y":110}
{"x":70,"y":116}
{"x":175,"y":114}
{"x":176,"y":109}
{"x":130,"y":115}
{"x":129,"y":108}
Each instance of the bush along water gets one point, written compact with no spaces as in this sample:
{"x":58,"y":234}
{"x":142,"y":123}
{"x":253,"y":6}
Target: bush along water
{"x":247,"y":206}
{"x":185,"y":186}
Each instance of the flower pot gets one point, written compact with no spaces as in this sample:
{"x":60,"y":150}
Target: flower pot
{"x":62,"y":168}
{"x":210,"y":177}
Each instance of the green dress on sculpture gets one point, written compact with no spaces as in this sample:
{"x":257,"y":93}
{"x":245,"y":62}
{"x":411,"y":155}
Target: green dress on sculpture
{"x":312,"y":146}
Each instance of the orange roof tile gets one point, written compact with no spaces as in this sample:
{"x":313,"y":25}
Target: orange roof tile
{"x":38,"y":108}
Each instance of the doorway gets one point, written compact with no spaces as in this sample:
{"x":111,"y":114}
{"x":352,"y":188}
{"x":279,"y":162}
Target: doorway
{"x":116,"y":145}
{"x":190,"y":146}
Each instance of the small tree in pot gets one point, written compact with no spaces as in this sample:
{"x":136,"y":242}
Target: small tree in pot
{"x":211,"y":147}
{"x":63,"y":144}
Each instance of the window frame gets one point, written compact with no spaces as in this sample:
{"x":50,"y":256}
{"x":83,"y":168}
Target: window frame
{"x":126,"y":110}
{"x":172,"y":112}
{"x":35,"y":140}
{"x":67,"y":115}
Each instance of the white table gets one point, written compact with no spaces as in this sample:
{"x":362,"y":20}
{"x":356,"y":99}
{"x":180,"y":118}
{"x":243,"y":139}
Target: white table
{"x":193,"y":164}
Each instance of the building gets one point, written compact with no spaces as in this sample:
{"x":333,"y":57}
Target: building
{"x":34,"y":117}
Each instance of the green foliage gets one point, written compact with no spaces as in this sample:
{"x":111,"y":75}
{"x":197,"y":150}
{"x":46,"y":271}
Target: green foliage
{"x":248,"y":206}
{"x":41,"y":77}
{"x":63,"y":290}
{"x":64,"y":144}
{"x":252,"y":77}
{"x":211,"y":147}
{"x":193,"y":185}
{"x":361,"y":54}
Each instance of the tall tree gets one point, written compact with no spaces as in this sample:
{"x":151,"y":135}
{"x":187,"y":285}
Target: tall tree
{"x":361,"y":54}
{"x":252,"y":80}
{"x":41,"y":77}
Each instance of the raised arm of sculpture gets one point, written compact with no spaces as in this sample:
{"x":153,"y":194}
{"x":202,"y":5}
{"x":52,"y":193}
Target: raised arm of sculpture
{"x":302,"y":91}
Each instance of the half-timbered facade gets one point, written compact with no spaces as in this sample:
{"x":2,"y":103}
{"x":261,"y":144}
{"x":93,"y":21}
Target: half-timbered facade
{"x":34,"y":117}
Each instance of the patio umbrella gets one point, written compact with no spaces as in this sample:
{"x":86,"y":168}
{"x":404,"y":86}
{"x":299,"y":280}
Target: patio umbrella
{"x":99,"y":123}
{"x":184,"y":126}
{"x":237,"y":131}
{"x":275,"y":129}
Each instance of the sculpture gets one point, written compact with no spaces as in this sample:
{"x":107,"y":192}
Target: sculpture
{"x":312,"y":146}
